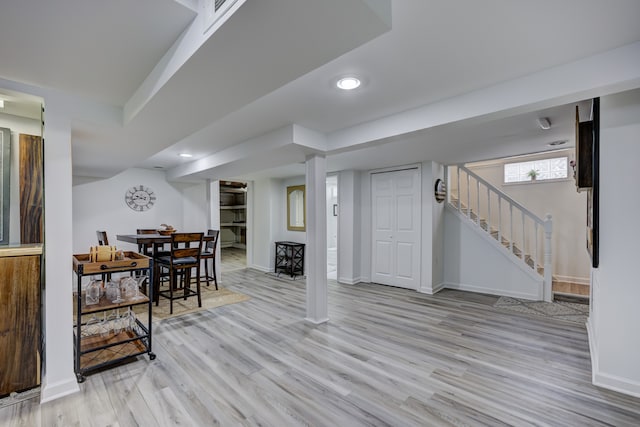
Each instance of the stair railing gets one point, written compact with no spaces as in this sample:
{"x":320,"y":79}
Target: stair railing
{"x":520,"y":231}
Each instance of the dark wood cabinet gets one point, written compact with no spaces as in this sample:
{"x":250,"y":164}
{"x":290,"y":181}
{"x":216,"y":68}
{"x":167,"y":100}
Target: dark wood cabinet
{"x":20,"y":324}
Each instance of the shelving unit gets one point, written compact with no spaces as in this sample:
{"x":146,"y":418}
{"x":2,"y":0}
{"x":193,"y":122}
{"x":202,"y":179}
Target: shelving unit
{"x":233,"y":215}
{"x":103,"y":341}
{"x":289,"y":258}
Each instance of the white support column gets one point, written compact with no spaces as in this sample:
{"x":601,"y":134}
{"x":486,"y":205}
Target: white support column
{"x":548,"y":267}
{"x":316,"y":247}
{"x":58,"y":379}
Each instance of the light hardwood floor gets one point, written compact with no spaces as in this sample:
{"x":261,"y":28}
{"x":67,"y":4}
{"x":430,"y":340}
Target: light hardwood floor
{"x":388,"y":356}
{"x":232,"y":259}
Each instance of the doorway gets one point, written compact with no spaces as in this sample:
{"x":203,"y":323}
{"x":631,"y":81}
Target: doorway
{"x":332,"y":227}
{"x":396,"y":228}
{"x":233,"y":225}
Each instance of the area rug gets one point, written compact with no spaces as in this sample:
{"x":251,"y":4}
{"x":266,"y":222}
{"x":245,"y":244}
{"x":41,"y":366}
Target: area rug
{"x":569,"y":311}
{"x":210,"y":299}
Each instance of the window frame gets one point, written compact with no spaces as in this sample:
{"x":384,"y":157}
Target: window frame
{"x":538,"y":180}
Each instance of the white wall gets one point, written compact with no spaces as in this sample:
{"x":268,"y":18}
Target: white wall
{"x":475,"y":262}
{"x":267,"y":196}
{"x":567,"y":207}
{"x":332,"y":221}
{"x":613,"y":323}
{"x":282,"y":233}
{"x":100,"y":205}
{"x":349,"y":213}
{"x":432,"y":245}
{"x":195,"y":207}
{"x":17,"y":125}
{"x":365,"y":226}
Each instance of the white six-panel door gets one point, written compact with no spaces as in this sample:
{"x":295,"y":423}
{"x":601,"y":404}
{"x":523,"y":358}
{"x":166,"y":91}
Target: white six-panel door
{"x":395,"y":199}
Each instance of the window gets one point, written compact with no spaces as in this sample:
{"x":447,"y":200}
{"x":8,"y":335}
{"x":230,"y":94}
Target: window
{"x":545,"y":169}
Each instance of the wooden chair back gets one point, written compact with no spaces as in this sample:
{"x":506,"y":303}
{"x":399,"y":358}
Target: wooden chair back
{"x":186,"y":245}
{"x":211,"y":244}
{"x":147,"y":249}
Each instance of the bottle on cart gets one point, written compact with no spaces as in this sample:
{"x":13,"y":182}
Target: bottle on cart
{"x":93,"y":292}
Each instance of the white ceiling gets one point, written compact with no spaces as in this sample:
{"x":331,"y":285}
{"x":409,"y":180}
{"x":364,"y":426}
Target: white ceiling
{"x":273,"y":64}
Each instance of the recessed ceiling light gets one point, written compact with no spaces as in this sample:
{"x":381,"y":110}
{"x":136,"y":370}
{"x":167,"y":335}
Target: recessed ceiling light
{"x":185,"y":155}
{"x":556,"y":143}
{"x":348,"y":83}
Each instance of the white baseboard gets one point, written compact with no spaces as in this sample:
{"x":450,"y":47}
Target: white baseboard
{"x":492,"y":291}
{"x":349,"y":281}
{"x":572,"y":279}
{"x":602,"y":379}
{"x":261,"y":268}
{"x":433,"y":290}
{"x":317,"y":322}
{"x":49,"y":392}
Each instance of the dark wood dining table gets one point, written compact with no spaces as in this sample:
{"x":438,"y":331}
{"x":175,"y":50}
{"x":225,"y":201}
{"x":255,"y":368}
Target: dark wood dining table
{"x":152,"y":240}
{"x":155,"y":241}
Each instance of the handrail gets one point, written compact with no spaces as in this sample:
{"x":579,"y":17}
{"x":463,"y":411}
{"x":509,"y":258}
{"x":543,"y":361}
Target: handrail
{"x":503,"y":195}
{"x":529,"y":240}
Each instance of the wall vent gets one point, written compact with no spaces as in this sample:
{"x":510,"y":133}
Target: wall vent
{"x":214,"y":10}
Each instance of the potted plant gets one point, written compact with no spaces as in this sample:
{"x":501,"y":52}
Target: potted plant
{"x":532,"y":174}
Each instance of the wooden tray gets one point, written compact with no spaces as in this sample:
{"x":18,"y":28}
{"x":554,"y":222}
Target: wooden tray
{"x":131,"y":261}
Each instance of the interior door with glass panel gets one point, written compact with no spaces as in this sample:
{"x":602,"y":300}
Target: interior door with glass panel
{"x":395,"y":198}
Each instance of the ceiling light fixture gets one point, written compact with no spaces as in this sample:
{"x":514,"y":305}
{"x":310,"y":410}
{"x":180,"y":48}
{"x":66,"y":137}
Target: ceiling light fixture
{"x":348,"y":83}
{"x":1,"y":103}
{"x":544,"y":123}
{"x":185,"y":155}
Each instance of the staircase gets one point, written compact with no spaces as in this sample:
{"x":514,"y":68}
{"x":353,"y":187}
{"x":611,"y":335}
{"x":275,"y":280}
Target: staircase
{"x":525,"y":236}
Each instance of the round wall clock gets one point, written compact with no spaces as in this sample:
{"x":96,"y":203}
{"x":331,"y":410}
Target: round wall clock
{"x":140,"y":198}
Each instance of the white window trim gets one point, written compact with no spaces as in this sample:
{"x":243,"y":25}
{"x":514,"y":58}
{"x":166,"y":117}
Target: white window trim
{"x":537,"y":181}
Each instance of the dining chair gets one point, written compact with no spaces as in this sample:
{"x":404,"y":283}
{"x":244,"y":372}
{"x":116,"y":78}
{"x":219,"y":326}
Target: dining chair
{"x":209,"y":253}
{"x":184,"y":256}
{"x":149,"y":249}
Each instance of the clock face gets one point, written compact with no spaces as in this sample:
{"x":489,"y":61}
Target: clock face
{"x":140,"y":198}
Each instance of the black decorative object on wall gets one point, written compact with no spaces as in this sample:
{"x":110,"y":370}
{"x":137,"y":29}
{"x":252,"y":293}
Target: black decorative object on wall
{"x":587,"y":174}
{"x":440,"y":190}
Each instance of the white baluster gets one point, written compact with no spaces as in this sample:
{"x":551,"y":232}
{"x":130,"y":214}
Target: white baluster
{"x":478,"y":197}
{"x":458,"y":184}
{"x":548,"y":272}
{"x":535,"y":249}
{"x":488,"y":210}
{"x":468,"y":196}
{"x":499,"y":218}
{"x":511,"y":226}
{"x":523,"y":239}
